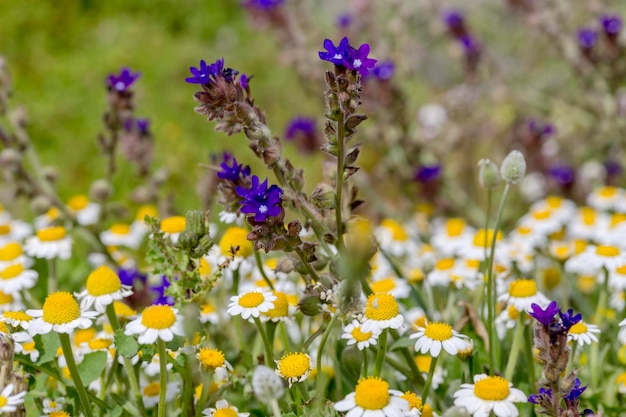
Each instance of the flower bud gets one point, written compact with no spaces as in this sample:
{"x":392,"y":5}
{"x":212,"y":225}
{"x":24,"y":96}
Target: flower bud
{"x":100,"y":190}
{"x":6,"y":350}
{"x":10,"y":158}
{"x":488,"y":175}
{"x":266,"y":384}
{"x":40,"y":205}
{"x":513,"y":167}
{"x":310,"y":305}
{"x":50,"y":173}
{"x":323,"y":196}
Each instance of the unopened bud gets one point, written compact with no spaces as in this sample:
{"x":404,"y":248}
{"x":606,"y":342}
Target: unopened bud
{"x":6,"y":350}
{"x":100,"y":190}
{"x":50,"y":173}
{"x":310,"y":305}
{"x":195,"y":221}
{"x":161,"y":176}
{"x":40,"y":205}
{"x":323,"y":196}
{"x":10,"y":158}
{"x":488,"y":174}
{"x":513,"y":167}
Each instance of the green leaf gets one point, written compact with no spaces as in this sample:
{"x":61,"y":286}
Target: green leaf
{"x":50,"y":343}
{"x":147,"y":352}
{"x":176,"y":343}
{"x":92,"y":366}
{"x":116,"y":412}
{"x":125,"y":345}
{"x":402,"y":343}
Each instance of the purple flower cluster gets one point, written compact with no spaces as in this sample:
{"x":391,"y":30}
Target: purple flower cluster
{"x":384,"y":70}
{"x":123,"y":81}
{"x":428,"y":173}
{"x":587,"y":38}
{"x":299,"y":125}
{"x":345,"y":55}
{"x":206,"y":74}
{"x":259,"y":200}
{"x":263,"y":4}
{"x":540,"y":130}
{"x":611,"y":24}
{"x":142,"y":126}
{"x":553,"y":319}
{"x":235,"y":172}
{"x":161,"y":297}
{"x":563,"y":174}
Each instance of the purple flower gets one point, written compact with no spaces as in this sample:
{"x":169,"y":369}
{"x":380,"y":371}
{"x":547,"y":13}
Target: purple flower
{"x":130,"y":276}
{"x":587,"y":38}
{"x":358,"y":60}
{"x":205,"y":74}
{"x":235,"y":172}
{"x":200,"y":74}
{"x":543,"y":393}
{"x":562,"y":174}
{"x":546,"y":316}
{"x":453,"y":19}
{"x":123,"y":81}
{"x":259,"y":200}
{"x":162,"y":298}
{"x":470,"y":44}
{"x":344,"y":20}
{"x":541,"y":130}
{"x":576,"y":391}
{"x":300,"y":125}
{"x":611,"y":24}
{"x":244,"y":81}
{"x":613,"y":168}
{"x":142,"y":125}
{"x":335,"y":54}
{"x":383,"y":70}
{"x":428,"y":173}
{"x":263,"y":4}
{"x":569,"y":319}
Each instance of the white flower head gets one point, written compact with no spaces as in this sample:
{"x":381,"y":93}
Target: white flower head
{"x":103,"y":287}
{"x":16,"y":278}
{"x":61,"y":313}
{"x":159,"y":321}
{"x":436,"y":337}
{"x":49,"y":243}
{"x":294,"y":367}
{"x":583,"y":333}
{"x":355,"y":336}
{"x":372,"y":397}
{"x":251,"y":304}
{"x":8,"y":402}
{"x":227,"y":410}
{"x":266,"y":384}
{"x":489,"y":394}
{"x":381,"y":312}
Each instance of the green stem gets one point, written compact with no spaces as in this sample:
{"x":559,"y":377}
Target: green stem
{"x":52,"y":275}
{"x":308,"y":267}
{"x":320,"y":351}
{"x":206,"y":382}
{"x":269,"y":355}
{"x":594,"y":360}
{"x":365,"y":364}
{"x":162,"y":376}
{"x":515,"y":348}
{"x":66,"y":346}
{"x":339,"y":180}
{"x":303,"y":392}
{"x":284,"y":336}
{"x":491,"y":304}
{"x":236,"y":281}
{"x":259,"y":264}
{"x":429,"y":380}
{"x":380,"y":354}
{"x":275,"y":408}
{"x":530,"y":358}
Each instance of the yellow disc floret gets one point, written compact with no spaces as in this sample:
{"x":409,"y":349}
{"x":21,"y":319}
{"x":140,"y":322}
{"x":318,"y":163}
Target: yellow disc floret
{"x":281,"y":306}
{"x":78,"y":202}
{"x":225,"y":412}
{"x":12,"y":271}
{"x":123,"y":310}
{"x":454,"y":227}
{"x":211,"y":359}
{"x":492,"y":388}
{"x":10,"y":251}
{"x":99,"y":344}
{"x":396,"y":229}
{"x":84,"y":336}
{"x":17,"y":315}
{"x":60,"y":308}
{"x":607,"y":251}
{"x":438,"y":331}
{"x":381,"y":307}
{"x":152,"y":389}
{"x":360,"y":336}
{"x":121,"y":229}
{"x":578,"y":328}
{"x":5,"y":298}
{"x":235,"y":242}
{"x":423,"y":363}
{"x":173,"y":224}
{"x":103,"y":281}
{"x":413,"y":399}
{"x":251,"y":299}
{"x":371,"y":393}
{"x":51,"y":234}
{"x":483,"y":237}
{"x":5,"y":229}
{"x":158,"y":317}
{"x":444,"y":264}
{"x":383,"y":285}
{"x":294,"y":365}
{"x":522,"y":288}
{"x":59,"y":414}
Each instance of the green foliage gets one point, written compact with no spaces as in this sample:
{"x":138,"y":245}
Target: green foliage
{"x":125,"y":345}
{"x":92,"y":366}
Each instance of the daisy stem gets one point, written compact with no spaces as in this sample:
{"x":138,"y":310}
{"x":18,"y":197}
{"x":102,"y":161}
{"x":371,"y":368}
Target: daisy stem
{"x":284,"y":336}
{"x":206,"y":383}
{"x":365,"y":364}
{"x":515,"y":348}
{"x":429,"y":380}
{"x":302,"y":389}
{"x":491,"y":302}
{"x":269,"y":355}
{"x":130,"y":370}
{"x":66,"y":346}
{"x":572,"y":356}
{"x":530,"y":356}
{"x":339,"y":180}
{"x":162,"y":377}
{"x":382,"y":351}
{"x":600,"y":313}
{"x":52,"y":275}
{"x":259,"y":264}
{"x":320,"y":352}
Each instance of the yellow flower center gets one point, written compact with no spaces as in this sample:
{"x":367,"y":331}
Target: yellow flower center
{"x":416,"y":275}
{"x":53,"y":213}
{"x":158,"y":317}
{"x":588,"y":215}
{"x":381,"y":307}
{"x":421,"y":321}
{"x":120,"y":229}
{"x":123,"y":310}
{"x":251,"y":299}
{"x":423,"y":363}
{"x":28,"y":346}
{"x":524,"y":230}
{"x":11,"y":272}
{"x":554,"y":202}
{"x":17,"y":315}
{"x":551,"y":278}
{"x":360,"y":336}
{"x":562,"y":252}
{"x":99,"y":344}
{"x":427,"y":411}
{"x":51,"y":234}
{"x":444,"y":264}
{"x":513,"y":313}
{"x":395,"y":228}
{"x":225,"y":412}
{"x":10,"y":251}
{"x":84,"y":336}
{"x":211,"y":359}
{"x":207,"y":308}
{"x":235,"y":242}
{"x":173,"y":224}
{"x":58,"y":414}
{"x":621,"y":269}
{"x":103,"y":281}
{"x":492,"y":388}
{"x":413,"y":399}
{"x":152,"y":389}
{"x":472,"y":263}
{"x":617,"y":218}
{"x":454,"y":227}
{"x":60,"y":308}
{"x":522,"y":288}
{"x":383,"y":285}
{"x":5,"y":229}
{"x":281,"y":306}
{"x":438,"y":331}
{"x":144,"y":211}
{"x":578,"y":328}
{"x":3,"y":327}
{"x":371,"y":393}
{"x":586,"y":283}
{"x":621,"y":379}
{"x":78,"y":202}
{"x":607,"y":192}
{"x":607,"y":251}
{"x":205,"y":268}
{"x":5,"y":298}
{"x":294,"y":365}
{"x":541,"y":214}
{"x":483,"y":237}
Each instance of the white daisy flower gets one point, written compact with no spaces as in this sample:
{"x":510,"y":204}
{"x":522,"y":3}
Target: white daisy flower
{"x":223,"y":409}
{"x":10,"y":302}
{"x":12,"y":253}
{"x":25,"y":345}
{"x":594,"y":258}
{"x":120,"y":234}
{"x":373,"y":398}
{"x":8,"y":402}
{"x":398,"y":287}
{"x":49,"y":243}
{"x":208,"y":314}
{"x":173,"y":226}
{"x":14,"y":231}
{"x":159,"y":321}
{"x":506,"y":320}
{"x":150,"y":392}
{"x":523,"y":293}
{"x":251,"y":304}
{"x":60,"y":313}
{"x":16,"y":318}
{"x":620,"y":380}
{"x":437,"y":336}
{"x":47,"y":219}
{"x":480,"y":246}
{"x":152,"y":368}
{"x":87,"y":213}
{"x":423,"y":363}
{"x":489,"y":394}
{"x":354,"y":335}
{"x":294,"y":367}
{"x":588,"y":224}
{"x":213,"y":360}
{"x":451,"y":236}
{"x":381,"y":312}
{"x":583,"y":333}
{"x":606,"y":198}
{"x":139,"y":226}
{"x":50,"y":406}
{"x":103,"y":287}
{"x":542,"y":220}
{"x":16,"y":278}
{"x":267,"y":386}
{"x":393,"y":238}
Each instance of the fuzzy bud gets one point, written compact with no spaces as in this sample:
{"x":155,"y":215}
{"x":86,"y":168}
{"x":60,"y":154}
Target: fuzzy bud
{"x":266,"y":384}
{"x":10,"y":158}
{"x":284,"y":265}
{"x":6,"y":350}
{"x":195,"y":221}
{"x":513,"y":167}
{"x":40,"y":205}
{"x":323,"y":196}
{"x":310,"y":305}
{"x":100,"y":190}
{"x":488,"y":175}
{"x":50,"y":174}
